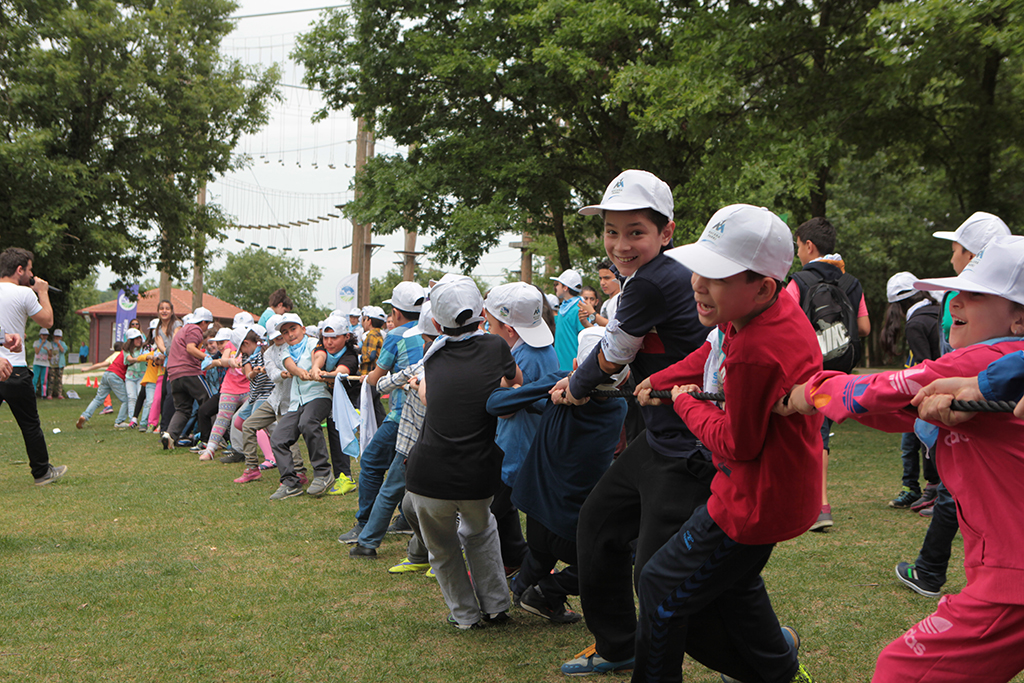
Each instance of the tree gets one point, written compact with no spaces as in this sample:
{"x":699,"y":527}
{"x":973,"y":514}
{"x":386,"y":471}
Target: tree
{"x":504,"y":107}
{"x":113,"y":114}
{"x":381,"y":287}
{"x":249,"y":277}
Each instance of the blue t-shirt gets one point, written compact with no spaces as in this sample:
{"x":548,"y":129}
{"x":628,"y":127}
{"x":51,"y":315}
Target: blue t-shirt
{"x":399,"y":352}
{"x":656,"y":304}
{"x":515,"y":434}
{"x":567,"y":331}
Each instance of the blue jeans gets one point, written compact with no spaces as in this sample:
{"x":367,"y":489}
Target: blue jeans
{"x":374,"y":462}
{"x":388,"y":498}
{"x":109,"y":384}
{"x":913,"y":453}
{"x":131,"y":388}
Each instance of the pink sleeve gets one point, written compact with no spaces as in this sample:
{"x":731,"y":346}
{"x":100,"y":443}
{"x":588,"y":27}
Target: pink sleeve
{"x":862,"y":310}
{"x":794,"y":290}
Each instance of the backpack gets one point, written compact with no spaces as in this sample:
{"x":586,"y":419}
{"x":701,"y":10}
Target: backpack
{"x":833,"y":317}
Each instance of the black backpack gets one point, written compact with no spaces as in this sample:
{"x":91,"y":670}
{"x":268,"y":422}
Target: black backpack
{"x":833,"y":317}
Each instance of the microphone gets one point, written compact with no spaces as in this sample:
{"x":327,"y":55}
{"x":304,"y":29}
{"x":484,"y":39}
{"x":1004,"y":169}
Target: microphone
{"x":32,"y":281}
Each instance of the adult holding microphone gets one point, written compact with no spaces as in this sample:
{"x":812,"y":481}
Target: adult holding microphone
{"x":23,"y":296}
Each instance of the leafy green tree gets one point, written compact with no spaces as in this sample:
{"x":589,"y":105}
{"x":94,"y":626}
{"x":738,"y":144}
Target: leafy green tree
{"x":381,"y":287}
{"x":113,"y":114}
{"x":249,"y":277}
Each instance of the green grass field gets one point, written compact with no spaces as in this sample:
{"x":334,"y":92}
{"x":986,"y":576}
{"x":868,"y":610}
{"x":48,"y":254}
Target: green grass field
{"x":146,"y":566}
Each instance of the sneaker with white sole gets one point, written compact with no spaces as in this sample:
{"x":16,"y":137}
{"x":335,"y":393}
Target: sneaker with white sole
{"x":284,"y":491}
{"x":589,"y":662}
{"x":533,"y":601}
{"x":320,"y":485}
{"x":907,"y":574}
{"x":342,"y":485}
{"x":352,"y":535}
{"x":166,"y":441}
{"x":52,"y":475}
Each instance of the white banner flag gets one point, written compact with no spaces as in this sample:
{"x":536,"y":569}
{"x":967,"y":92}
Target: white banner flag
{"x":346,"y":293}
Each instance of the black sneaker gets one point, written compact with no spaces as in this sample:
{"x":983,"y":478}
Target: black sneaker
{"x":927,"y":499}
{"x":497,"y":619}
{"x":400,"y":526}
{"x":534,"y":602}
{"x":352,"y":535}
{"x":907,"y":573}
{"x":231,"y":457}
{"x":465,"y":627}
{"x":363,"y":552}
{"x":905,"y":499}
{"x":166,"y":442}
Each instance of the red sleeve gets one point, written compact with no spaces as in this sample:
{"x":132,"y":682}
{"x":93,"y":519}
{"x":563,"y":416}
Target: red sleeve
{"x":689,"y":370}
{"x":738,"y":432}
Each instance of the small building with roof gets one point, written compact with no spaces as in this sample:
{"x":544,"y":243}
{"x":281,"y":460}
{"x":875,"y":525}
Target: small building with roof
{"x":102,"y":317}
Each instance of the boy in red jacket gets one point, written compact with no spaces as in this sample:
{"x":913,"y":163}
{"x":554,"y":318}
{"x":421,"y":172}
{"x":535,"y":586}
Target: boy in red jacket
{"x":702,"y":593}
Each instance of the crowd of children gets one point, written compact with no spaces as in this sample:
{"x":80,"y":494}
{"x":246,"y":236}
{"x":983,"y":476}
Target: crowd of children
{"x":491,"y":412}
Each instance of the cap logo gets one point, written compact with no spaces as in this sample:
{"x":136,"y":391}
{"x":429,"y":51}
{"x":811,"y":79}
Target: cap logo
{"x":536,"y":314}
{"x":713,"y":233}
{"x":504,"y":312}
{"x":618,"y":187}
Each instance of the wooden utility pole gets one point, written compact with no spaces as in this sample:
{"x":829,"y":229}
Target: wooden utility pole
{"x":362,"y":249}
{"x":409,"y":255}
{"x":526,"y":266}
{"x":199,"y":258}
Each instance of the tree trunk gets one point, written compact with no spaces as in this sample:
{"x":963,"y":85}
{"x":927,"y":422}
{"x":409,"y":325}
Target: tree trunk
{"x":558,"y":223}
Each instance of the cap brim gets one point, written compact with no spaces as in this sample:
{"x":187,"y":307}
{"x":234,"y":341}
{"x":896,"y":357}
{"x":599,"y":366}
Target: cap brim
{"x":958,"y":283}
{"x":705,"y":262}
{"x":537,"y":336}
{"x":596,"y":209}
{"x":945,"y":235}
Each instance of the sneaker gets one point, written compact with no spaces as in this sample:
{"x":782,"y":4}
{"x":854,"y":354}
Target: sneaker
{"x":342,"y":485}
{"x":81,"y":422}
{"x":363,"y":552}
{"x":430,"y":574}
{"x":824,"y":520}
{"x":511,"y":572}
{"x":232,"y":457}
{"x":106,"y":411}
{"x":144,"y":428}
{"x":52,"y":475}
{"x":400,"y":526}
{"x":122,"y":425}
{"x":927,"y":512}
{"x":905,"y":499}
{"x":352,"y":535}
{"x":268,"y":465}
{"x":533,"y":601}
{"x":791,"y":637}
{"x":407,"y":566}
{"x":198,"y":448}
{"x":166,"y":442}
{"x":250,"y":474}
{"x":589,"y":662}
{"x":320,"y":485}
{"x":206,"y":455}
{"x":133,"y":423}
{"x":497,"y":619}
{"x":907,"y":574}
{"x":284,"y":491}
{"x":186,"y":441}
{"x":476,"y":626}
{"x":303,"y":479}
{"x":927,"y":499}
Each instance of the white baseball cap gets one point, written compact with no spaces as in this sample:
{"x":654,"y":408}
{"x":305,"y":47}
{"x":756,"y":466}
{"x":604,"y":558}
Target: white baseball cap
{"x":456,"y":303}
{"x":187,"y":319}
{"x":272,"y":323}
{"x":355,"y":313}
{"x":224,"y":334}
{"x":132,"y":333}
{"x":290,"y":318}
{"x":571,"y":279}
{"x":740,"y":237}
{"x":633,"y":190}
{"x":336,"y":325}
{"x":900,"y":286}
{"x":520,"y":306}
{"x":407,"y":296}
{"x":312,"y":331}
{"x":425,"y":325}
{"x":60,"y":333}
{"x":587,"y":339}
{"x":553,"y":301}
{"x":997,"y":269}
{"x":242,"y":319}
{"x":43,"y":331}
{"x":202,"y":314}
{"x":153,"y":323}
{"x":975,"y":232}
{"x":374,"y":313}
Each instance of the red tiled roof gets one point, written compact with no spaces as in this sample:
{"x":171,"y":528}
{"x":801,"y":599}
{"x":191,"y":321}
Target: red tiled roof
{"x":180,"y":298}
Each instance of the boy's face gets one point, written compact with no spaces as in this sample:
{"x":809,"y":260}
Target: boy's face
{"x":632,"y":240}
{"x":221,"y":345}
{"x":292,"y":333}
{"x":960,"y":258}
{"x":732,"y":299}
{"x":561,"y":291}
{"x":500,"y":329}
{"x":609,"y":284}
{"x":278,"y":340}
{"x":803,"y":251}
{"x":591,"y":298}
{"x":978,"y":317}
{"x":335,"y":344}
{"x":211,"y":346}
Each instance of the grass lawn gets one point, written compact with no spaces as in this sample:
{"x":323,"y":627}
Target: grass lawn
{"x":146,"y":566}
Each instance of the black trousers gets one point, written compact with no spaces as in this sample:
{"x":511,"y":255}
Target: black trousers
{"x":17,"y":390}
{"x":702,"y":594}
{"x":184,"y":391}
{"x":510,"y":530}
{"x":644,"y":496}
{"x":933,"y":561}
{"x":546,"y":549}
{"x":206,"y":415}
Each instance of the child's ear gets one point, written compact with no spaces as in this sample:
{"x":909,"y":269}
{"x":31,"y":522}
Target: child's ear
{"x":1017,"y":321}
{"x":766,"y":291}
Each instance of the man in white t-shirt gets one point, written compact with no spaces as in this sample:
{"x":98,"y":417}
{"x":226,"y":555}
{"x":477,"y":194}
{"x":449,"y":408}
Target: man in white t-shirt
{"x":21,"y":297}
